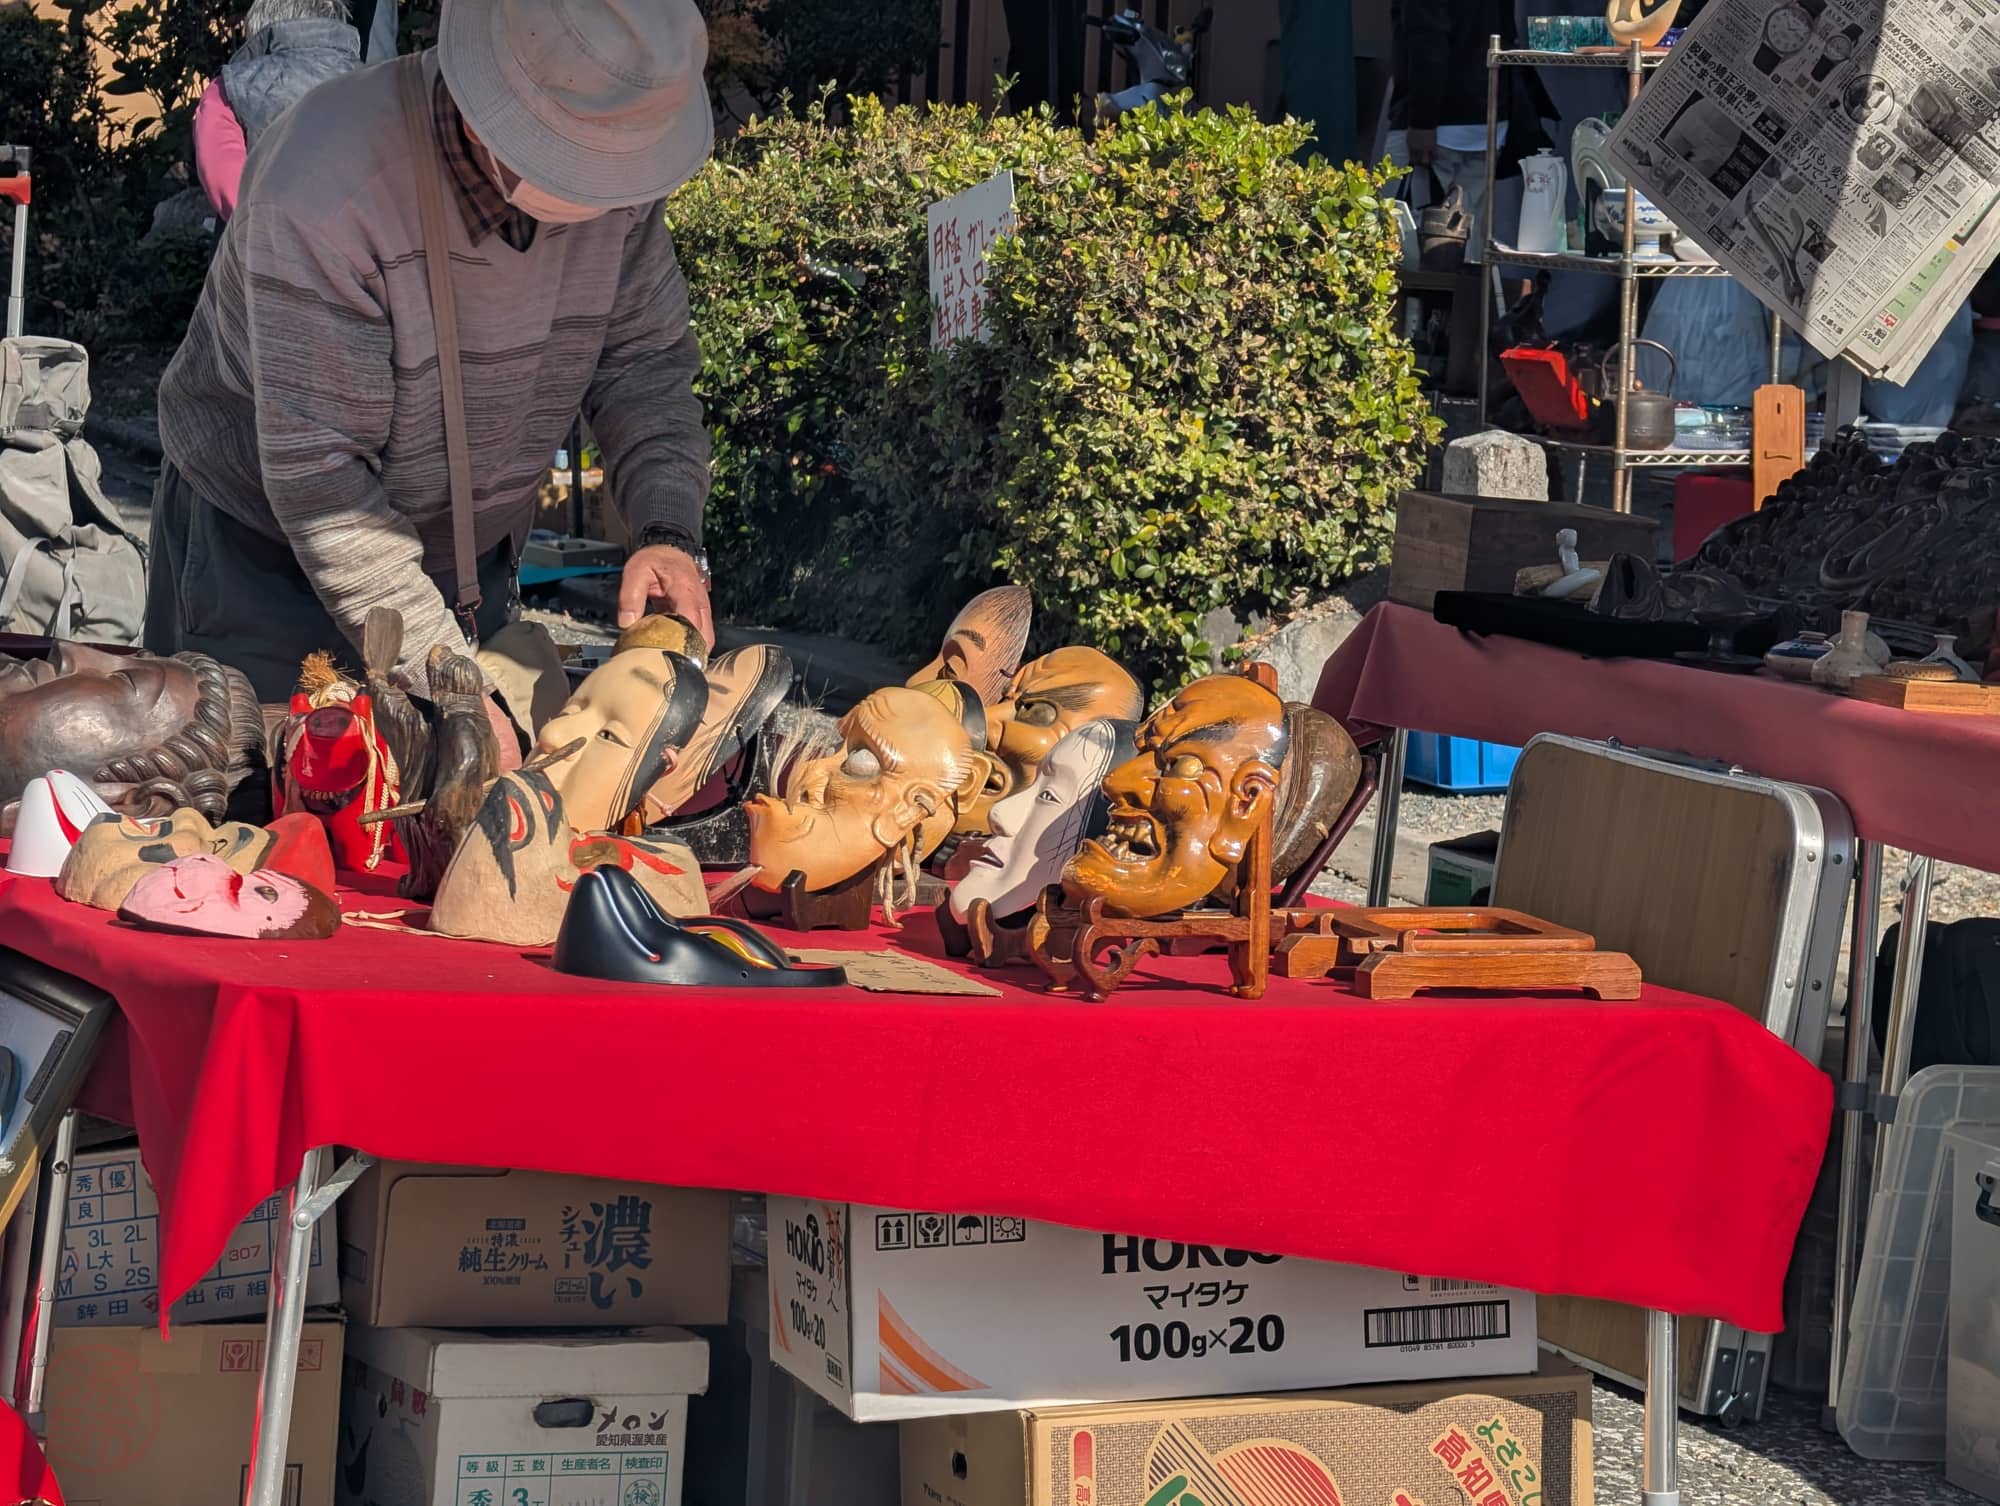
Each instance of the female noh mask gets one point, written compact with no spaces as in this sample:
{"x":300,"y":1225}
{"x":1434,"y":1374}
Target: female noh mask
{"x":629,"y":722}
{"x":1036,"y":830}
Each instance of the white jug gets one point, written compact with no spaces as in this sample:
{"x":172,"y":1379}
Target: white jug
{"x":1544,"y":190}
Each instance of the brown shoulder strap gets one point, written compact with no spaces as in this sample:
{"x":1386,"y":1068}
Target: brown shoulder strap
{"x":418,"y":116}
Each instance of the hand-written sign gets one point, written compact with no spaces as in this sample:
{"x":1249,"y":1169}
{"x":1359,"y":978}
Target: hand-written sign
{"x":963,"y":228}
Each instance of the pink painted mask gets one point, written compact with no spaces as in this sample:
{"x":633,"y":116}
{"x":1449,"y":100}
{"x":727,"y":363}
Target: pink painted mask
{"x":203,"y":896}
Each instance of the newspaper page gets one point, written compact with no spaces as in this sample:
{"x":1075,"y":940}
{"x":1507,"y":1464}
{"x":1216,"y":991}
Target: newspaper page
{"x":1841,"y":158}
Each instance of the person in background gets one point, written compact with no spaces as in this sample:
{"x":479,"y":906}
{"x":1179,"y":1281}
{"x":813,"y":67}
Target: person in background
{"x":1437,"y":109}
{"x":292,"y":45}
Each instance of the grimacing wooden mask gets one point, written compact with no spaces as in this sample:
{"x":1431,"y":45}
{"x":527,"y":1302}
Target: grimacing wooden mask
{"x":1185,"y":806}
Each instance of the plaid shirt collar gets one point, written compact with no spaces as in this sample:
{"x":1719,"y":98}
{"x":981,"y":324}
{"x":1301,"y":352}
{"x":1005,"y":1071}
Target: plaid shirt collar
{"x":479,"y":198}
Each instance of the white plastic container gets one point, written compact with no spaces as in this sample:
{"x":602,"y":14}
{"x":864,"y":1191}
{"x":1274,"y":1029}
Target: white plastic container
{"x":1972,"y":1375}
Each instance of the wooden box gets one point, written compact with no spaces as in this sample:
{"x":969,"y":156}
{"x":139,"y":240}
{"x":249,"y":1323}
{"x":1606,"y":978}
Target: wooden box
{"x":1455,"y":543}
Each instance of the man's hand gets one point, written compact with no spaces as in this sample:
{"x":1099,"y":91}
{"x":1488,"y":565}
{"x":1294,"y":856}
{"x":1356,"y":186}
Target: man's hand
{"x":670,"y":576}
{"x":505,"y":733}
{"x":1423,"y":147}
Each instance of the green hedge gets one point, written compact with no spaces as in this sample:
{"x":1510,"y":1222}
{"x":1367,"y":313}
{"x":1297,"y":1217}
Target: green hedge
{"x":1193,"y":395}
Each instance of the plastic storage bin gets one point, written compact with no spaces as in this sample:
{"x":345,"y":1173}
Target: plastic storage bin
{"x":1972,"y":1376}
{"x":1460,"y":764}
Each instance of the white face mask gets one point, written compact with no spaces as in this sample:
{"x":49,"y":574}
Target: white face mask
{"x":531,"y":201}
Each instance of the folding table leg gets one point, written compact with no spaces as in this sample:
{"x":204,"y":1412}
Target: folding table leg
{"x":1910,"y":942}
{"x":284,"y":1319}
{"x":1388,"y":807}
{"x":1660,"y":1467}
{"x":48,"y":1271}
{"x":1852,"y":1101}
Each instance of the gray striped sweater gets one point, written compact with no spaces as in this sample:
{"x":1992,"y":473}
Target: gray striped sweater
{"x":305,"y":401}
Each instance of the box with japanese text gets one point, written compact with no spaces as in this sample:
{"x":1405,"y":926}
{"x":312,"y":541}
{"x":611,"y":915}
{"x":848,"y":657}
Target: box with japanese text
{"x":1508,"y":1441}
{"x":138,"y":1420}
{"x":599,"y":1418}
{"x":460,"y":1247}
{"x":111,"y":1253}
{"x":891,"y":1315}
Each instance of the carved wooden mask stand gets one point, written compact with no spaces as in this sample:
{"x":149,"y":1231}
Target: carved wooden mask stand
{"x":848,"y":906}
{"x":982,"y":937}
{"x":1393,"y":953}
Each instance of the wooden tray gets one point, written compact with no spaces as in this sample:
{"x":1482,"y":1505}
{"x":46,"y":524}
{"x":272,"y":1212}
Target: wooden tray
{"x":1942,"y":697}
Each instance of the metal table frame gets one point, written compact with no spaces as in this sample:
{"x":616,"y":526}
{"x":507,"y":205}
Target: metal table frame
{"x":1857,"y":1096}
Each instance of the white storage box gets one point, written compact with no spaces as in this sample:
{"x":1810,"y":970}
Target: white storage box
{"x":891,"y":1315}
{"x":432,"y":1417}
{"x":1972,"y":1375}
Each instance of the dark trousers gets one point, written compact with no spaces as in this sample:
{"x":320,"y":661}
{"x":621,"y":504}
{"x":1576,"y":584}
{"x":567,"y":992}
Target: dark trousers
{"x":223,"y":589}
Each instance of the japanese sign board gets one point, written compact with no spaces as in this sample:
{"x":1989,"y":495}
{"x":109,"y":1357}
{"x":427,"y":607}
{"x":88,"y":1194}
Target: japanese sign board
{"x":892,"y":1314}
{"x":963,"y":229}
{"x":111,"y":1253}
{"x":1503,"y":1441}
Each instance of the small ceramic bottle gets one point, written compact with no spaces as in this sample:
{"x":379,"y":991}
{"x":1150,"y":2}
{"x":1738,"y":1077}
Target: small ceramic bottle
{"x":1849,"y":659}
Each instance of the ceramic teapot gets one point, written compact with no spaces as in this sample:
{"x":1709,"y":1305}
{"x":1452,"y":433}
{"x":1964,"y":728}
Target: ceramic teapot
{"x":1605,"y":211}
{"x":1544,"y":202}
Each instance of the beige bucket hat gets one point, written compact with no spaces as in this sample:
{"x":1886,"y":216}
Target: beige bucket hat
{"x":598,"y":102}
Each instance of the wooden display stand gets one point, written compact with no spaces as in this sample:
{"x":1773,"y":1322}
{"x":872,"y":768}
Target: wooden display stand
{"x":1394,"y":953}
{"x":982,"y":937}
{"x":847,"y":906}
{"x":1082,"y":947}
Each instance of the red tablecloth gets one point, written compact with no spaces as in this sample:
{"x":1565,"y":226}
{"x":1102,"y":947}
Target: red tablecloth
{"x":1927,"y":784}
{"x":1556,"y":1144}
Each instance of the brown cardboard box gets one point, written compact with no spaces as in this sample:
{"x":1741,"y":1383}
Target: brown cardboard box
{"x":461,"y":1247}
{"x":137,"y":1420}
{"x":1487,"y":1443}
{"x":1453,"y":543}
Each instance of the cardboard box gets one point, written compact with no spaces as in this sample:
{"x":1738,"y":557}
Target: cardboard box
{"x":1461,"y":870}
{"x":891,"y":1315}
{"x":111,"y":1253}
{"x":482,"y":1419}
{"x":137,"y":1420}
{"x":1486,"y":1443}
{"x":459,"y":1247}
{"x":1446,"y":542}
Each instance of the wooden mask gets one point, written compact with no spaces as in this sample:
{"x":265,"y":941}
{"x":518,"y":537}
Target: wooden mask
{"x":634,"y":715}
{"x":984,"y":644}
{"x":744,"y":688}
{"x":511,"y":877}
{"x":1048,"y":698}
{"x":202,"y":895}
{"x":904,"y":765}
{"x":115,"y":852}
{"x":1185,"y":806}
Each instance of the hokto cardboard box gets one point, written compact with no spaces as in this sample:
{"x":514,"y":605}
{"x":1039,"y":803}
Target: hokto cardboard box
{"x":456,"y":1247}
{"x":480,"y":1419}
{"x":111,"y":1253}
{"x":1512,"y":1441}
{"x":890,"y":1315}
{"x":137,"y":1420}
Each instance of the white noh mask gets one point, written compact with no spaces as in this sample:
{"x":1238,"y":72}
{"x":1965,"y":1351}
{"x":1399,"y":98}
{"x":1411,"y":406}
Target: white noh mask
{"x":1038,"y":829}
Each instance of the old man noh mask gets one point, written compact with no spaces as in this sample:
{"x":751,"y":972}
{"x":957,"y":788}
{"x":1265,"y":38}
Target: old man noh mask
{"x":1184,"y":808}
{"x":904,"y":766}
{"x":1047,"y":700}
{"x":1037,"y":830}
{"x":984,"y":642}
{"x":633,"y":715}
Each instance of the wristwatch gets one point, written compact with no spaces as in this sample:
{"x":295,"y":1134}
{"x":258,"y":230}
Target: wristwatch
{"x":665,"y":534}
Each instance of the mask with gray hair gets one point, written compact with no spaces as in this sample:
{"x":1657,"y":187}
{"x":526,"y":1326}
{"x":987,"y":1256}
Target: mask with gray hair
{"x":265,"y":13}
